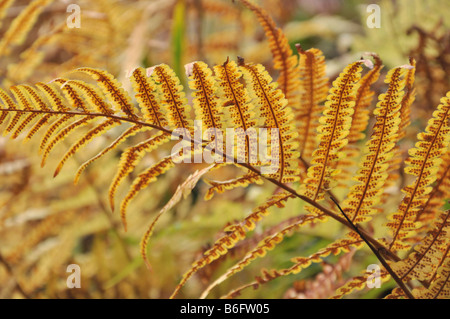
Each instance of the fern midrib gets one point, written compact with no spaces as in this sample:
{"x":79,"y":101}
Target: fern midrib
{"x":322,"y":174}
{"x":442,"y":286}
{"x":422,"y":255}
{"x":172,"y":96}
{"x":397,"y":231}
{"x":284,"y":71}
{"x":374,"y":163}
{"x":311,"y":101}
{"x":238,"y":106}
{"x":208,"y":108}
{"x":280,"y":140}
{"x":113,"y":89}
{"x":155,"y":113}
{"x":120,"y":118}
{"x":434,"y":191}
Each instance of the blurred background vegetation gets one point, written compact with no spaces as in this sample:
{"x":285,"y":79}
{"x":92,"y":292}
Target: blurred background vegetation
{"x":47,"y":224}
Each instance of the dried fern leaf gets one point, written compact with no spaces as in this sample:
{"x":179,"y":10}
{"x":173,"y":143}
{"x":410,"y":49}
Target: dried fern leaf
{"x":89,"y":136}
{"x":440,"y":288}
{"x":133,"y":130}
{"x":359,"y":283}
{"x":363,"y":196}
{"x":113,"y":90}
{"x":334,"y":128}
{"x":314,"y":89}
{"x":360,"y":119}
{"x":182,"y":191}
{"x":424,"y":163}
{"x":437,"y":197}
{"x":345,"y":244}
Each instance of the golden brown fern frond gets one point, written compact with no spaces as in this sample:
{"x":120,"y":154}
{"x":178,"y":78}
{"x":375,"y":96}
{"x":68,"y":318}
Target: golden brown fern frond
{"x":265,"y":245}
{"x":346,"y":244}
{"x":21,"y":25}
{"x":422,"y":163}
{"x":221,"y":186}
{"x":440,"y":288}
{"x":234,"y":234}
{"x":313,"y":88}
{"x":360,"y":120}
{"x":283,"y":58}
{"x":359,"y":283}
{"x":426,"y":257}
{"x":334,"y":128}
{"x":359,"y":204}
{"x":277,"y":116}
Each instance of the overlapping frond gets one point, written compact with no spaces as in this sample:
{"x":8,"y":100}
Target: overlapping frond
{"x":359,"y":283}
{"x":423,"y":163}
{"x":278,"y":116}
{"x":235,"y":233}
{"x":261,"y":249}
{"x":372,"y":174}
{"x":426,"y":257}
{"x":283,"y":58}
{"x":334,"y":128}
{"x":440,"y":288}
{"x":360,"y":119}
{"x":314,"y":89}
{"x":21,"y":25}
{"x":345,"y":244}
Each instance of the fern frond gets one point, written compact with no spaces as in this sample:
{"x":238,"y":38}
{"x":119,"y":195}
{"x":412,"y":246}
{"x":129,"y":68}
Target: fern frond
{"x":130,"y":158}
{"x":359,"y":283}
{"x":21,"y":25}
{"x":360,"y":119}
{"x":334,"y":128}
{"x":277,"y":115}
{"x":221,"y":186}
{"x":426,"y":256}
{"x":283,"y":58}
{"x":440,"y":288}
{"x":142,"y":181}
{"x":437,"y":197}
{"x":423,"y":163}
{"x":183,"y":190}
{"x":267,"y":244}
{"x":313,"y":88}
{"x":345,"y":244}
{"x":113,"y":90}
{"x":89,"y":136}
{"x":173,"y":98}
{"x":236,"y":98}
{"x":235,"y":233}
{"x":146,"y":95}
{"x":133,"y":130}
{"x":372,"y":174}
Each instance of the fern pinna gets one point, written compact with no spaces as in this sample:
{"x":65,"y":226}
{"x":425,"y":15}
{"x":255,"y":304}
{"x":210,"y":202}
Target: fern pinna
{"x":318,"y":129}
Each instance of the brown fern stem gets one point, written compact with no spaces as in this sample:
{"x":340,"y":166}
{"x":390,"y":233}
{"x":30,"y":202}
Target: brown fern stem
{"x":325,"y":210}
{"x":377,"y":253}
